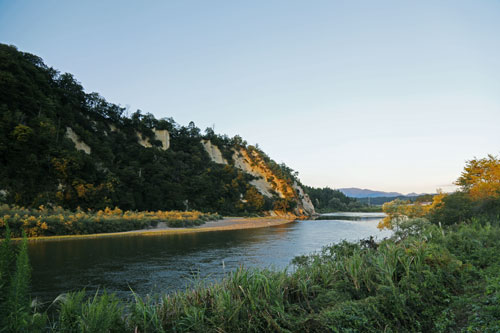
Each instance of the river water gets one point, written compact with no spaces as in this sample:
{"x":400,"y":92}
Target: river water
{"x":164,"y":263}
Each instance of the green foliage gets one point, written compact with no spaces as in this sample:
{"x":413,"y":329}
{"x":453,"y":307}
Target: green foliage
{"x":326,"y":200}
{"x":455,"y":207}
{"x":460,"y":207}
{"x":18,"y":301}
{"x":416,"y":284}
{"x":39,"y":164}
{"x":58,"y":221}
{"x":145,"y":315}
{"x":425,"y":279}
{"x":15,"y":303}
{"x":100,"y":313}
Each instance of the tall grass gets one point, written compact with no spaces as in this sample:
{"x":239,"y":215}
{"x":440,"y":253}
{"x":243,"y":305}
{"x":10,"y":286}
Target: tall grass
{"x":420,"y":281}
{"x":100,"y":313}
{"x":15,"y":303}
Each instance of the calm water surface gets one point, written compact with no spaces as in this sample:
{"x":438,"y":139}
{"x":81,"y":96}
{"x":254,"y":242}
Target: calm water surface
{"x":166,"y":263}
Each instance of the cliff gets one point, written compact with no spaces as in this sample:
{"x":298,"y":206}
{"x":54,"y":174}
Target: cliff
{"x":267,"y":182}
{"x":60,"y":145}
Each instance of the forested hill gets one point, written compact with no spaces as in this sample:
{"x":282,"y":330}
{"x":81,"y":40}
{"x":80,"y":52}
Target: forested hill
{"x":62,"y":146}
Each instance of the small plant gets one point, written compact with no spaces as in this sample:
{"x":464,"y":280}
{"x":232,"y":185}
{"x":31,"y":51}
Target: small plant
{"x":15,"y":273}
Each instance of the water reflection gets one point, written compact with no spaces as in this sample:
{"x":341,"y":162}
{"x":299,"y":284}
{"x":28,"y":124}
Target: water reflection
{"x":166,"y":262}
{"x":351,"y":216}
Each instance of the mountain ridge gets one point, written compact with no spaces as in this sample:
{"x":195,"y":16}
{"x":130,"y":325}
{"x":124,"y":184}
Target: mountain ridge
{"x":355,"y":192}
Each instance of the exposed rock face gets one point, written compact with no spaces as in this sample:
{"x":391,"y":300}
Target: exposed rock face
{"x":164,"y":137}
{"x":143,"y":141}
{"x":79,"y":144}
{"x":161,"y":135}
{"x":243,"y":162}
{"x":213,"y":151}
{"x":305,"y":203}
{"x":267,"y":183}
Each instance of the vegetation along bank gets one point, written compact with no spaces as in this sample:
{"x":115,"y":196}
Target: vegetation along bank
{"x":438,"y":273}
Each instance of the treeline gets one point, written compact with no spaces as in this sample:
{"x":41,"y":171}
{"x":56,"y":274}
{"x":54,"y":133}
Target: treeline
{"x":39,"y":164}
{"x":379,"y":201}
{"x":437,"y":275}
{"x":478,"y":199}
{"x":327,"y":200}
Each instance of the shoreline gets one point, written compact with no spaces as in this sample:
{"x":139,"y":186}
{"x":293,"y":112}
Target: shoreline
{"x":227,"y":223}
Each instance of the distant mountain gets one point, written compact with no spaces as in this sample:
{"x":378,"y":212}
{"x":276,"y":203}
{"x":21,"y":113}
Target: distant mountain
{"x":413,"y":194}
{"x":355,"y":192}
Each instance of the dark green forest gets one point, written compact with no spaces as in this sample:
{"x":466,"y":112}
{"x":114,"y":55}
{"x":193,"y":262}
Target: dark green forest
{"x":326,"y":200}
{"x":39,"y":164}
{"x":382,"y":200}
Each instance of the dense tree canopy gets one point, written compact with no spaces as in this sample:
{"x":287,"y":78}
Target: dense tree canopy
{"x":329,"y":200}
{"x":481,"y":178}
{"x":478,"y":199}
{"x":40,"y":165}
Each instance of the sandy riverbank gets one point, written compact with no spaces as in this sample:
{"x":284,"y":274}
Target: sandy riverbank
{"x":228,"y":223}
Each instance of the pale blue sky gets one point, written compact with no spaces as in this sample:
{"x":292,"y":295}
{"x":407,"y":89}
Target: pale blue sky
{"x":387,"y":95}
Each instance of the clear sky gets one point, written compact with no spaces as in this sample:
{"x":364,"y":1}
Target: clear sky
{"x":387,"y":95}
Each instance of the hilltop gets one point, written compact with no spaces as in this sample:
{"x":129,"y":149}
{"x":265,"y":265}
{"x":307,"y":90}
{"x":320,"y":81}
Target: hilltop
{"x":62,"y":146}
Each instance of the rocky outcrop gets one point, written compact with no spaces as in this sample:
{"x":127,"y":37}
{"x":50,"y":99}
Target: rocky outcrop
{"x":143,"y":141}
{"x":243,"y":162}
{"x":164,"y":137}
{"x":266,"y":182}
{"x":79,"y":144}
{"x":305,"y":205}
{"x":161,"y":135}
{"x":214,"y":152}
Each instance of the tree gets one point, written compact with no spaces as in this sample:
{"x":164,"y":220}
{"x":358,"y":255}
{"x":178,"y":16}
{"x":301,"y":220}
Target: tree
{"x":481,"y":178}
{"x":255,"y":200}
{"x":451,"y":208}
{"x":399,"y":211}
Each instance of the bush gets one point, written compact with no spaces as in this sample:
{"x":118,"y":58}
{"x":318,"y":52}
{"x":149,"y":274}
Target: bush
{"x":57,"y":221}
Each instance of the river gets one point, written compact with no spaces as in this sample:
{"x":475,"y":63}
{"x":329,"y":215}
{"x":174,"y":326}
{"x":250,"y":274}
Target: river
{"x":164,"y":263}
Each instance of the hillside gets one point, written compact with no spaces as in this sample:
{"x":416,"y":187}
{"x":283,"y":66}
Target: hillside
{"x":355,"y":192}
{"x":62,"y":146}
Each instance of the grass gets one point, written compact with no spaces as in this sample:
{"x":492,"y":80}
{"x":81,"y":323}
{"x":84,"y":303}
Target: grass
{"x":424,"y":279}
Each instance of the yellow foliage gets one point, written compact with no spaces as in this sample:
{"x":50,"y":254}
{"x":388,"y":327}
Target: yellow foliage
{"x":437,"y":200}
{"x":22,"y":133}
{"x":81,"y":190}
{"x":57,"y":220}
{"x":398,"y":211}
{"x":481,"y":178}
{"x":61,"y":166}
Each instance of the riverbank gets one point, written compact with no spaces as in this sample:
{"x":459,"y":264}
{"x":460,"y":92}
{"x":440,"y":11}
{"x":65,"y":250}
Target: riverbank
{"x":425,"y":279}
{"x":227,"y":223}
{"x":56,"y":221}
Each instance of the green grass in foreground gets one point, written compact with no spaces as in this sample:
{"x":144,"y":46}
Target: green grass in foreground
{"x":425,"y":279}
